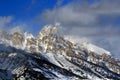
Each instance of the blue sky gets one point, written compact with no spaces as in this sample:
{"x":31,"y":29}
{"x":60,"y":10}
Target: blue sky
{"x":25,"y":11}
{"x":33,"y":14}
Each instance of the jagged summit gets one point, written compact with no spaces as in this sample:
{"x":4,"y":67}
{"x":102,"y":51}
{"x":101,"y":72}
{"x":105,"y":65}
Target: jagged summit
{"x":49,"y":29}
{"x":51,"y":56}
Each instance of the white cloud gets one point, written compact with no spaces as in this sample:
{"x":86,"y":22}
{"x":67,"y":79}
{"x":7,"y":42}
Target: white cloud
{"x":85,"y":19}
{"x":7,"y":24}
{"x":68,"y":15}
{"x":4,"y":20}
{"x":83,"y":13}
{"x":96,"y":21}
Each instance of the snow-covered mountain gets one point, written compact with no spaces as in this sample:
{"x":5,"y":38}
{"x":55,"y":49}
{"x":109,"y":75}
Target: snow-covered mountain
{"x":50,"y":56}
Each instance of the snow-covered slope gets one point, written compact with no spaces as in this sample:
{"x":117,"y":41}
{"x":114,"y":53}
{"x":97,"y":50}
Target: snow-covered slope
{"x":51,"y":56}
{"x":92,"y":48}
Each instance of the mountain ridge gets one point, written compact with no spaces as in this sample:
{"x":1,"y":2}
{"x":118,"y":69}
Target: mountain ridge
{"x":52,"y":56}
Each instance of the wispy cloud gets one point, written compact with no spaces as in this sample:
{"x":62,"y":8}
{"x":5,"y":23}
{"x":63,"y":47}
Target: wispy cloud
{"x":4,"y":21}
{"x":96,"y":21}
{"x":102,"y":13}
{"x":9,"y":25}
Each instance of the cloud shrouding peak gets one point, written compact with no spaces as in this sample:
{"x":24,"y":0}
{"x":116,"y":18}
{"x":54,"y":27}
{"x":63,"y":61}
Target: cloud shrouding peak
{"x":96,"y":21}
{"x":16,"y":29}
{"x":8,"y":25}
{"x":93,"y":17}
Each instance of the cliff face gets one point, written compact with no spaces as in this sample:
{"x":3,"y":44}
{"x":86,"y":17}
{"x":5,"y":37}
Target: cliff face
{"x":51,"y":56}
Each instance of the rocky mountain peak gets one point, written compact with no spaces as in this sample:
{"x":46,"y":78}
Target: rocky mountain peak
{"x":48,"y":30}
{"x":53,"y":57}
{"x":17,"y":39}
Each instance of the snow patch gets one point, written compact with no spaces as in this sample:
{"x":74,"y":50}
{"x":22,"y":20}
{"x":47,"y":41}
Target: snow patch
{"x":92,"y":48}
{"x":51,"y":58}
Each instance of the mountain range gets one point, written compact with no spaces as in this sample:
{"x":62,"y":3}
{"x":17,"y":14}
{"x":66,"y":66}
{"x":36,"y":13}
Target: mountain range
{"x":50,"y":56}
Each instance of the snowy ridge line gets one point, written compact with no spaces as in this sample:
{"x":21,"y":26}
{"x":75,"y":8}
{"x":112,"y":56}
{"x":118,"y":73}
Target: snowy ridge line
{"x":50,"y":56}
{"x":41,"y":59}
{"x":90,"y":63}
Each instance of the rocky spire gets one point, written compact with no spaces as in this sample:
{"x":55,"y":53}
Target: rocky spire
{"x":48,"y":30}
{"x":17,"y":39}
